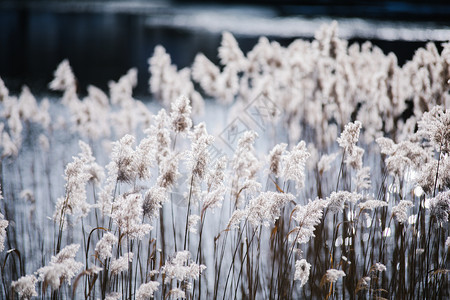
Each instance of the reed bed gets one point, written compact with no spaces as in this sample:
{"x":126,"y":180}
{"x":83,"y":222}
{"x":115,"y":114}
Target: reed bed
{"x":328,"y":179}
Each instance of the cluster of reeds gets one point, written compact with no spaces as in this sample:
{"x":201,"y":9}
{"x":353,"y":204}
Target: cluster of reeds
{"x":348,"y":196}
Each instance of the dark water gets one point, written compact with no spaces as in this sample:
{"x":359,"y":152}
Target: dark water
{"x":101,"y":46}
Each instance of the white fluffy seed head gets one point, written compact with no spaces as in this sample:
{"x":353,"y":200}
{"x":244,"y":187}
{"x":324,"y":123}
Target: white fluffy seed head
{"x":121,"y":264}
{"x":25,"y":286}
{"x":400,"y":211}
{"x":302,"y":268}
{"x":146,"y":290}
{"x":333,"y":275}
{"x":104,"y":246}
{"x":3,"y":224}
{"x":294,"y":162}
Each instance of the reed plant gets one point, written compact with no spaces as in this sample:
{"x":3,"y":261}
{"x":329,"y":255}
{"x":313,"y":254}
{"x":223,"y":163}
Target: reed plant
{"x":343,"y":193}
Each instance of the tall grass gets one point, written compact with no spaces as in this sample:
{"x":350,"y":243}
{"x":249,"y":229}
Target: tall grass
{"x":340,"y":190}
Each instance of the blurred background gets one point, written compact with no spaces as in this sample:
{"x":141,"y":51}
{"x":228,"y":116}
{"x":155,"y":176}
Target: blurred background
{"x":103,"y":39}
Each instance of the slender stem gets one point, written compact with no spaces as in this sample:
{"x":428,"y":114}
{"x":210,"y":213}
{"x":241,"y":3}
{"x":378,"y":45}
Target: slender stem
{"x":232,"y":259}
{"x":340,"y":170}
{"x":242,"y":264}
{"x":188,"y":212}
{"x":437,"y":172}
{"x":173,"y":225}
